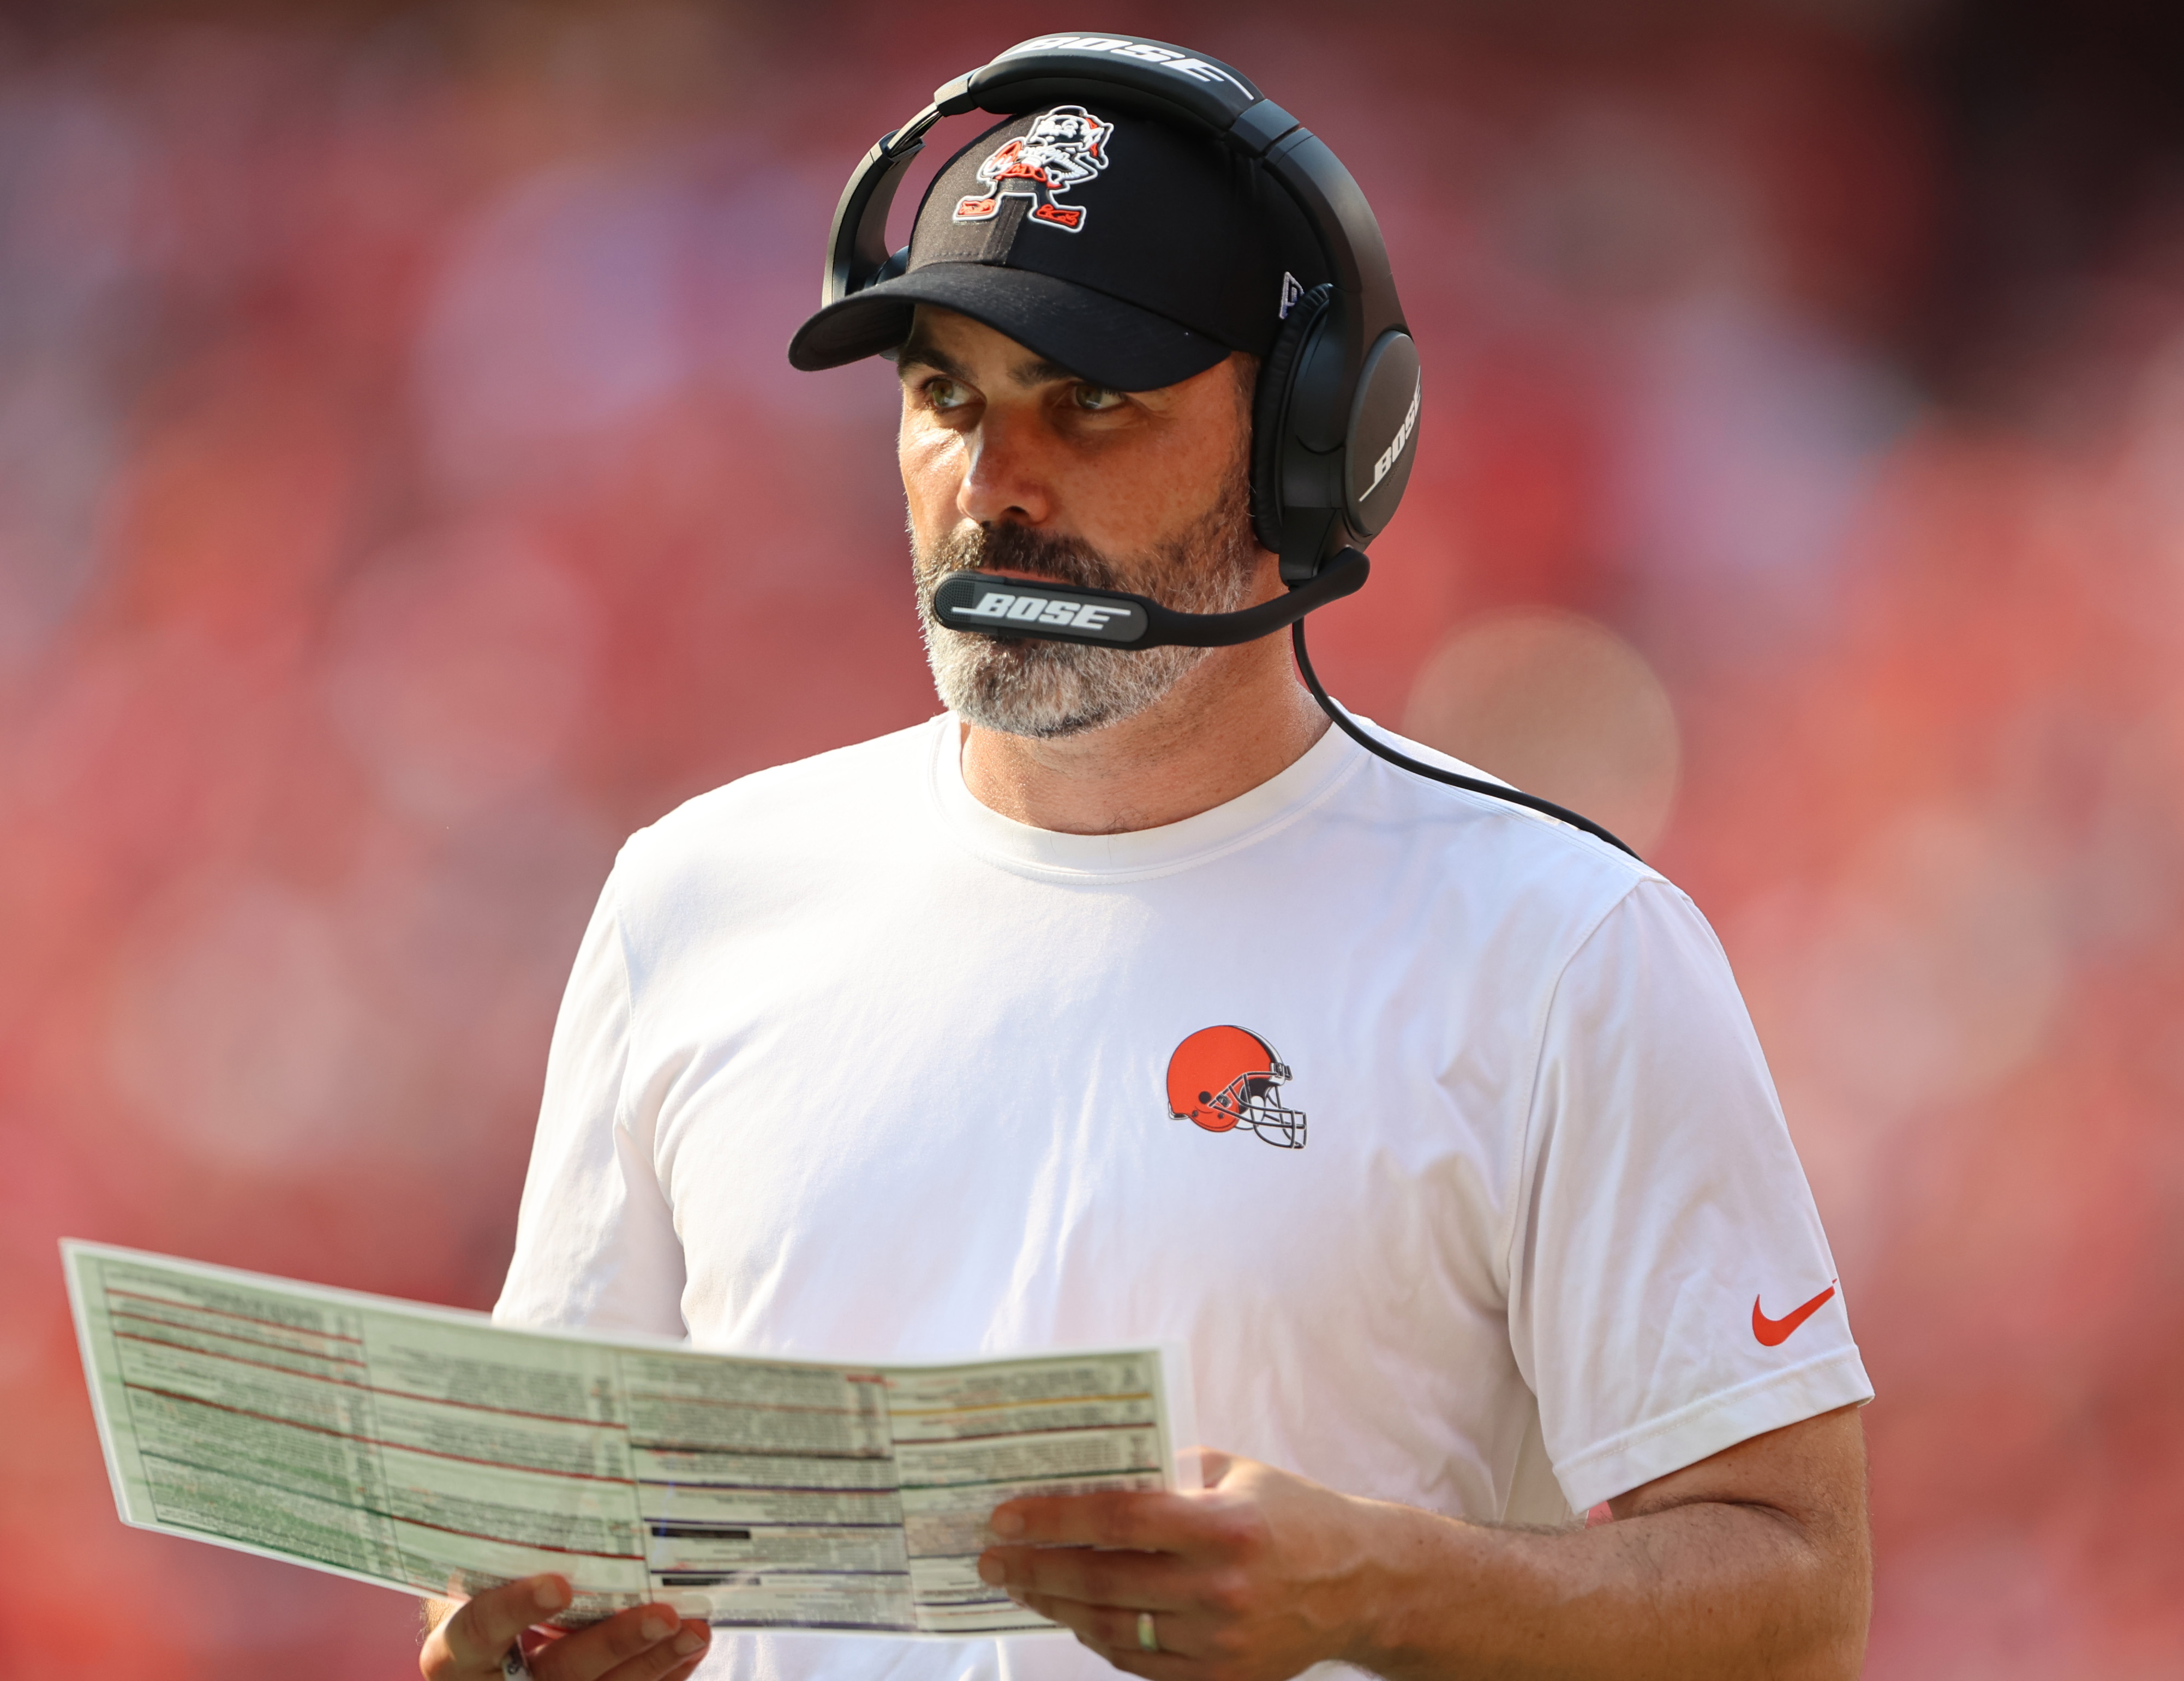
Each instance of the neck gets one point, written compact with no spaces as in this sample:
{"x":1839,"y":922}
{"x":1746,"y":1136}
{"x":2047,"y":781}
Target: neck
{"x":1237,"y":718}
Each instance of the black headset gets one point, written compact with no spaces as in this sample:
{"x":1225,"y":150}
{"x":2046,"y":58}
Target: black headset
{"x":1335,"y":417}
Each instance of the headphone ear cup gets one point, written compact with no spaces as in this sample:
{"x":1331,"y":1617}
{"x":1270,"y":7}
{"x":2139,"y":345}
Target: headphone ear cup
{"x":1383,"y":435}
{"x":1270,"y":411}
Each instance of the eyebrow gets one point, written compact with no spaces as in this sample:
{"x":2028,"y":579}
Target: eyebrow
{"x":924,"y":353}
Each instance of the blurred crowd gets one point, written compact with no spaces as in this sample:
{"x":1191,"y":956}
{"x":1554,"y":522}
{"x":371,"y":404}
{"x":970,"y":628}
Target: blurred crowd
{"x":403,"y":496}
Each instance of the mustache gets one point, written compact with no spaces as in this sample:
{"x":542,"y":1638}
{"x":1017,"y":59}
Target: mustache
{"x":1019,"y":549}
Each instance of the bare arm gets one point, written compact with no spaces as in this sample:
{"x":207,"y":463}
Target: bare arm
{"x":1753,"y":1563}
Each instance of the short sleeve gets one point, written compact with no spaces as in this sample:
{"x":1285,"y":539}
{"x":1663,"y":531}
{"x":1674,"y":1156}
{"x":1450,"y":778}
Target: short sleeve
{"x":1671,"y":1290}
{"x":595,"y":1241}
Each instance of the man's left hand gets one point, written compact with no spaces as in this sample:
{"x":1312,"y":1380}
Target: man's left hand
{"x":1752,"y":1563}
{"x":1253,"y":1579}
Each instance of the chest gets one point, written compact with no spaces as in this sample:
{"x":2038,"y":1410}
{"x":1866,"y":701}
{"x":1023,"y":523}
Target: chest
{"x":1056,"y":1115}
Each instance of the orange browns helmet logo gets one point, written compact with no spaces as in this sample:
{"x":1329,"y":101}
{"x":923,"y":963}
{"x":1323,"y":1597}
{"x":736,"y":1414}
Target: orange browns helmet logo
{"x":1065,"y":146}
{"x":1223,"y":1078}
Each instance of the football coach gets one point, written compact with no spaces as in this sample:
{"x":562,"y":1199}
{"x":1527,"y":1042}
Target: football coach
{"x":1131,"y":999}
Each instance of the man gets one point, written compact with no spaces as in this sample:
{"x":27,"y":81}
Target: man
{"x":965,"y":1039}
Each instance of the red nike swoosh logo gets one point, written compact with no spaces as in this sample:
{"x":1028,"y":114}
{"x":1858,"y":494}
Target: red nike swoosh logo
{"x":1772,"y":1333}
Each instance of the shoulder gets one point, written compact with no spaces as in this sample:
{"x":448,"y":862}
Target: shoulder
{"x":1538,"y":881}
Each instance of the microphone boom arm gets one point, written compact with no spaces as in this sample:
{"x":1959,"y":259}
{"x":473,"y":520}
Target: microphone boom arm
{"x":993,"y":605}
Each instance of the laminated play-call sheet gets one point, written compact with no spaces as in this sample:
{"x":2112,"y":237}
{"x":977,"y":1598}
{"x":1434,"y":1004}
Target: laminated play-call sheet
{"x":431,"y":1450}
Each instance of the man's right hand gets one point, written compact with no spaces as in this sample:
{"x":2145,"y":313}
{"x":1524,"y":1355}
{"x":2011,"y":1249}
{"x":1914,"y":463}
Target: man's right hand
{"x":647,"y":1642}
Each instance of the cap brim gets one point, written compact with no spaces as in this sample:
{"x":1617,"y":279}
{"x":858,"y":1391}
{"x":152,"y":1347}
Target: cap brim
{"x":1098,"y":338}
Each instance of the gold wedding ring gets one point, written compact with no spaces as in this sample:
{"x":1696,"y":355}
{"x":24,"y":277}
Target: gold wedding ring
{"x":1147,"y":1636}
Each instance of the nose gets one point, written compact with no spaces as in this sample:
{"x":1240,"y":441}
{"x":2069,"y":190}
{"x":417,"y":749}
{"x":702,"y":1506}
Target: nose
{"x":1006,"y":482}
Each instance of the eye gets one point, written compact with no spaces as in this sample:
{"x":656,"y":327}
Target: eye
{"x":942,"y":393}
{"x":1094,"y":399}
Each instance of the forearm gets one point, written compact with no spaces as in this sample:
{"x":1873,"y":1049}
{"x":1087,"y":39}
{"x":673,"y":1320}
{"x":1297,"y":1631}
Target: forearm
{"x":1694,"y":1591}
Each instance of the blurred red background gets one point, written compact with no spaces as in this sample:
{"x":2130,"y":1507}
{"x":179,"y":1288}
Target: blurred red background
{"x":404,"y":495}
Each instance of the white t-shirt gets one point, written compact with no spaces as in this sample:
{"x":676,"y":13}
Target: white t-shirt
{"x":852,"y":1065}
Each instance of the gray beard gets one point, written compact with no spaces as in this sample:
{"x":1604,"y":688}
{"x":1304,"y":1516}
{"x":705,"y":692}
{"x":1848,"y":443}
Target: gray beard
{"x":1019,"y":686}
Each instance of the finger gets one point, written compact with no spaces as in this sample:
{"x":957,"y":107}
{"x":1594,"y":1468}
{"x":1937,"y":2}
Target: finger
{"x":1214,"y":1465}
{"x":1144,"y":1521}
{"x":638,"y":1645}
{"x":685,"y":1670}
{"x":1113,"y":1633}
{"x":678,"y":1654}
{"x":1115,"y":1628}
{"x":1141,"y":1581}
{"x":484,"y":1629}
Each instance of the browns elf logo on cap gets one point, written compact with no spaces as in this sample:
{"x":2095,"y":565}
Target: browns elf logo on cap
{"x":1064,"y":146}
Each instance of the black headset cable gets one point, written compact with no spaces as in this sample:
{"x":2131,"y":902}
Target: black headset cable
{"x":1350,"y":726}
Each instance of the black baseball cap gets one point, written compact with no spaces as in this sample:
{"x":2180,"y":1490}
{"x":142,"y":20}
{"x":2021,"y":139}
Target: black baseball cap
{"x":1130,"y":250}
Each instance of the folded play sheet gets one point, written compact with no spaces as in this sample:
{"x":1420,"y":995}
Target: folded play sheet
{"x":431,"y":1450}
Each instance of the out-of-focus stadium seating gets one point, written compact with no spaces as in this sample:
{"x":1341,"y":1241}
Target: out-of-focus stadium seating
{"x":403,"y":496}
